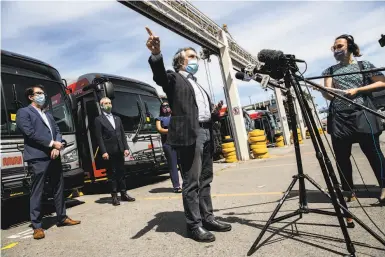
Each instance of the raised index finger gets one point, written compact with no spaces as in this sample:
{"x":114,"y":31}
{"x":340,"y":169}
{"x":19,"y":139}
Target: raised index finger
{"x":149,"y":31}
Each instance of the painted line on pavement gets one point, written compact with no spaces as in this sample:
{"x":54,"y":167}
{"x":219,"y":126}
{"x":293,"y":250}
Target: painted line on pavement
{"x":284,"y":164}
{"x":215,"y":195}
{"x":9,"y":246}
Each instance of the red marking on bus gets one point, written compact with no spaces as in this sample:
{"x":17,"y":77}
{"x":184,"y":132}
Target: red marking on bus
{"x":9,"y":161}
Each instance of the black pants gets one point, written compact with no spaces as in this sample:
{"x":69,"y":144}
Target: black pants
{"x":371,"y":148}
{"x":115,"y":172}
{"x":40,"y":169}
{"x":197,"y":174}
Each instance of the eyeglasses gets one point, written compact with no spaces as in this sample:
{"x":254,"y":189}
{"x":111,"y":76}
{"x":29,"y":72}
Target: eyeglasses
{"x":337,"y":47}
{"x":165,"y":106}
{"x":38,"y":93}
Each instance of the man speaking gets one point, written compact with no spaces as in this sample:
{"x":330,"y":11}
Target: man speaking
{"x":190,"y":133}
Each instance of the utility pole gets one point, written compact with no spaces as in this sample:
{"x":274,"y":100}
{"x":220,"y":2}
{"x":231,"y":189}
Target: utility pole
{"x":250,"y":99}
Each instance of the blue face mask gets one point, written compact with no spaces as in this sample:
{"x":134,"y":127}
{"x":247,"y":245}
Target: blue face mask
{"x":192,"y":66}
{"x":40,"y":99}
{"x":339,"y":55}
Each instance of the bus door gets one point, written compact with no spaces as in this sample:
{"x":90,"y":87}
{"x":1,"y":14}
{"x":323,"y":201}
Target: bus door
{"x":91,"y":111}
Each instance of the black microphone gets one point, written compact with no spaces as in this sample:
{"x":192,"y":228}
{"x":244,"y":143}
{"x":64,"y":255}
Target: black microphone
{"x":242,"y":76}
{"x":274,"y":56}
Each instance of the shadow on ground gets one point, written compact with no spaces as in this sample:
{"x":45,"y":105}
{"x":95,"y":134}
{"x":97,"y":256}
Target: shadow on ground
{"x":316,"y":240}
{"x":16,"y":212}
{"x":165,"y":222}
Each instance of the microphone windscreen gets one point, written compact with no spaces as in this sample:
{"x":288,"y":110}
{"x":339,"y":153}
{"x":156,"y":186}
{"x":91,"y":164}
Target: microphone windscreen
{"x":267,"y":55}
{"x":240,"y":75}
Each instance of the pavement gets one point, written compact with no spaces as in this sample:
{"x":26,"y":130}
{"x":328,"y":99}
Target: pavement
{"x":244,"y":194}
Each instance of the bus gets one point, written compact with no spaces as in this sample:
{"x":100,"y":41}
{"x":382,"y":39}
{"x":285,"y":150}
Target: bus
{"x":19,"y":72}
{"x":266,"y":121}
{"x":137,"y":104}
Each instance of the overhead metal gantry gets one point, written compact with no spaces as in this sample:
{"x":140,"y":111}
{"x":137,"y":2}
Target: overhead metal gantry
{"x":186,"y":20}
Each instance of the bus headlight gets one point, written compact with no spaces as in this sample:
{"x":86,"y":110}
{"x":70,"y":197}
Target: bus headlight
{"x":71,"y":156}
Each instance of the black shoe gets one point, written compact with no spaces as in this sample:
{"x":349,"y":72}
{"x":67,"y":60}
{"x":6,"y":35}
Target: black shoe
{"x":126,"y":197}
{"x":115,"y":201}
{"x":215,"y":225}
{"x":201,"y":235}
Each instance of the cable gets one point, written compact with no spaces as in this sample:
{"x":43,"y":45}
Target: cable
{"x":378,"y":152}
{"x":343,"y":176}
{"x":367,"y":190}
{"x":209,"y":81}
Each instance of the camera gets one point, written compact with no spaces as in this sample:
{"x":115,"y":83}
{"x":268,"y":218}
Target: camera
{"x":382,"y":40}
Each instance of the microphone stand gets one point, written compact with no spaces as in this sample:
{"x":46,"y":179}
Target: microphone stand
{"x":333,"y":189}
{"x":347,"y":73}
{"x":340,"y":96}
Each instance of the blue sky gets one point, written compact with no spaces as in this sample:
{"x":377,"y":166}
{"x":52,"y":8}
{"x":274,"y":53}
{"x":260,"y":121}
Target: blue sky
{"x":78,"y":37}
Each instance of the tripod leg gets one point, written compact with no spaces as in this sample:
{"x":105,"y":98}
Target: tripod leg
{"x":318,"y":147}
{"x":347,"y":213}
{"x":302,"y":189}
{"x":268,"y":223}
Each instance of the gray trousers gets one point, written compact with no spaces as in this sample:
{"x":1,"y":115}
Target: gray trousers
{"x":40,"y":169}
{"x":197,"y":173}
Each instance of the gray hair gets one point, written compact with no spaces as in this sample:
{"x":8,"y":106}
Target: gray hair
{"x":178,"y":60}
{"x":103,"y":99}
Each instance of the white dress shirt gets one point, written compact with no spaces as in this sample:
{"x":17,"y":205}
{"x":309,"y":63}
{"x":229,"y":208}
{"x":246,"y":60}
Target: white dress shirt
{"x":110,"y":118}
{"x":203,"y":102}
{"x":45,"y":119}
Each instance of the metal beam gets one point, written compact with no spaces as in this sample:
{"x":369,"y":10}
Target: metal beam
{"x":186,"y":20}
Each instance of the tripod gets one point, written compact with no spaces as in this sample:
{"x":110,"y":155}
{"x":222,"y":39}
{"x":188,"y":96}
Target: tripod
{"x":334,"y":191}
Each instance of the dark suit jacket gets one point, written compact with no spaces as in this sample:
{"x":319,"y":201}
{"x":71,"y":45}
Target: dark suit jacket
{"x":184,"y":123}
{"x":110,"y":140}
{"x":37,"y":135}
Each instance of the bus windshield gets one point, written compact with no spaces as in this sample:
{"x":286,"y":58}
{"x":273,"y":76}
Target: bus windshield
{"x":133,"y":109}
{"x":152,"y":107}
{"x":12,"y":98}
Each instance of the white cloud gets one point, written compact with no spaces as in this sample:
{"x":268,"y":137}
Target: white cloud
{"x":24,"y":15}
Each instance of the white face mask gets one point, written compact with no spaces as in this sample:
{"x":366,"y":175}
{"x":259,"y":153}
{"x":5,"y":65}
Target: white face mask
{"x":39,"y":99}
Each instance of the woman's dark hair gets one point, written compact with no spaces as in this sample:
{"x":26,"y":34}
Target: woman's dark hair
{"x":161,"y":113}
{"x":352,"y":47}
{"x":29,"y":91}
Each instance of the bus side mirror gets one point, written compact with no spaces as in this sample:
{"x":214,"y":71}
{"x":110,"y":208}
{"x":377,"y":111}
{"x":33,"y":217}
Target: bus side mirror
{"x":73,"y":101}
{"x":109,"y":89}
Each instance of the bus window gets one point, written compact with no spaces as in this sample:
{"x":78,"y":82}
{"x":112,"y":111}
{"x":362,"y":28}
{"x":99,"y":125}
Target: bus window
{"x":14,"y":87}
{"x":125,"y":105}
{"x":4,"y":120}
{"x":151,"y":108}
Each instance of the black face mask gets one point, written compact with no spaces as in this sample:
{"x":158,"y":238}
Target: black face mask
{"x":166,"y":109}
{"x":339,"y":55}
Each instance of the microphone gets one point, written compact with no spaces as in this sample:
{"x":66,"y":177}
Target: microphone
{"x":274,"y":56}
{"x":245,"y":77}
{"x":242,"y":76}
